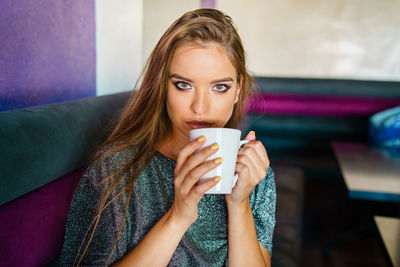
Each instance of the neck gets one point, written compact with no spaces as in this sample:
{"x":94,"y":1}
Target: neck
{"x":171,"y":145}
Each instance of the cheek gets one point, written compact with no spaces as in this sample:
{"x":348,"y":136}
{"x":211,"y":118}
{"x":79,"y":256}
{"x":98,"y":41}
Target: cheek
{"x":175,"y":104}
{"x":223,"y":109}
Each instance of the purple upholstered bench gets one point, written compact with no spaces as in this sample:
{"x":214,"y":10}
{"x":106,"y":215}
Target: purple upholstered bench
{"x":44,"y":151}
{"x":32,"y":226}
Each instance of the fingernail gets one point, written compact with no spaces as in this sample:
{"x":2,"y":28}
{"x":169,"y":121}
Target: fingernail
{"x":215,"y":146}
{"x":252,"y":132}
{"x":201,"y":139}
{"x":218,"y":178}
{"x":218,"y":160}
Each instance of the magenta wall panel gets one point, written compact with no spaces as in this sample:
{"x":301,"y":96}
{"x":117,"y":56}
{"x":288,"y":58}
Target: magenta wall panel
{"x":318,"y":105}
{"x":47,"y":52}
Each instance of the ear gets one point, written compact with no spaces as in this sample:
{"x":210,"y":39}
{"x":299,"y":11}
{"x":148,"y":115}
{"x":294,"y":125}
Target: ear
{"x":237,"y":95}
{"x":239,"y":86}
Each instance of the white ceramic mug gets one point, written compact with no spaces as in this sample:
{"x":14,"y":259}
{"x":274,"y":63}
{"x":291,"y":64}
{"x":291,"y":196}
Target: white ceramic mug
{"x":229,"y":143}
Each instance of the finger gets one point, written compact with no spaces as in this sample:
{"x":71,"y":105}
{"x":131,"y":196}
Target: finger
{"x":260,"y":164}
{"x":195,"y":174}
{"x":195,"y":160}
{"x":259,"y":145}
{"x":250,"y":136}
{"x":245,"y":177}
{"x":243,"y":171}
{"x":188,"y":150}
{"x":240,"y":168}
{"x":253,"y":174}
{"x":199,"y":190}
{"x":259,"y":149}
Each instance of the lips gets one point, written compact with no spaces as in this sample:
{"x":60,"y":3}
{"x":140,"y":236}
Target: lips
{"x":199,"y":124}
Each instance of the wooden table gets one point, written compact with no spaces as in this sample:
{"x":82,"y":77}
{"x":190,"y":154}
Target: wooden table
{"x":389,"y":228}
{"x":369,"y":173}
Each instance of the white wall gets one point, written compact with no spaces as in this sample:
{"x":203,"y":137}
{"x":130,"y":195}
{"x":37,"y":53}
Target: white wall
{"x":296,"y":38}
{"x":318,"y":38}
{"x":119,"y":26}
{"x":158,"y":15}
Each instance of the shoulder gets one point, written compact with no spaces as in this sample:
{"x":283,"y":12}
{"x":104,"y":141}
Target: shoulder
{"x":117,"y":153}
{"x":105,"y":172}
{"x":108,"y":161}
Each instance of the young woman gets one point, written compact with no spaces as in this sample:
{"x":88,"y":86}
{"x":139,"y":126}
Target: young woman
{"x":139,"y":203}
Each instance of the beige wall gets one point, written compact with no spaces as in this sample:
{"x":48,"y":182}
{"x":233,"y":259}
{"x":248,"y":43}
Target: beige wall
{"x":318,"y":38}
{"x":158,"y":15}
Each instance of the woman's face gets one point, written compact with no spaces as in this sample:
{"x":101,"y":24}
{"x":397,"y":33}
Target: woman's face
{"x":202,"y":88}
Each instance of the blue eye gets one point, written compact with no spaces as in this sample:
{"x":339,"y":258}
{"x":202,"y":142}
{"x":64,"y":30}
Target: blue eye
{"x":182,"y":85}
{"x":221,"y":88}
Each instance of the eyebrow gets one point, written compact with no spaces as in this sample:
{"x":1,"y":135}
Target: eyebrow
{"x":177,"y":76}
{"x":227,"y":79}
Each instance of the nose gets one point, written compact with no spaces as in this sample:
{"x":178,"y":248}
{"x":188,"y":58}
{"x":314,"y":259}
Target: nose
{"x":200,"y":102}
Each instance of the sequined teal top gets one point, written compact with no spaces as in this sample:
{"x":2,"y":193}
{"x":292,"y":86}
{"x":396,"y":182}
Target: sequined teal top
{"x":205,"y":243}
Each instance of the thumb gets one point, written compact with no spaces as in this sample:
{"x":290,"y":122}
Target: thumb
{"x":251,"y":136}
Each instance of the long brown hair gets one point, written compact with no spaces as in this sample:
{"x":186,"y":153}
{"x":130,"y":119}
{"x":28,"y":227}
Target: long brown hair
{"x":144,"y":120}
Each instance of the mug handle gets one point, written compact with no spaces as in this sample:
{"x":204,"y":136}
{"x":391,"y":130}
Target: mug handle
{"x":236,"y":176}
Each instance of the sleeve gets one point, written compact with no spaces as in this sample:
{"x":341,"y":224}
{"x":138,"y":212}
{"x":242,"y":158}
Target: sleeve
{"x":263,"y":203}
{"x":83,"y":209}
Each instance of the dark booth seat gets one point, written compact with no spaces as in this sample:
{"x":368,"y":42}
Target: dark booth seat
{"x":289,"y":208}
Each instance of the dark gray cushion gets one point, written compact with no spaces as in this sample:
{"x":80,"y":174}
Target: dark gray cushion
{"x":289,"y":205}
{"x":42,"y":143}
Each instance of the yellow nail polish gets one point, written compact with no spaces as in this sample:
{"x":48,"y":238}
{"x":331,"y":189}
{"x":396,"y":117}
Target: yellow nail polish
{"x":215,"y":146}
{"x":201,"y":139}
{"x":252,"y":132}
{"x":218,"y":160}
{"x":218,"y":178}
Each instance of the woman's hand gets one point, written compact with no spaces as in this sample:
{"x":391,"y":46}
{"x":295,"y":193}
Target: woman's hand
{"x":251,"y":165}
{"x":190,"y":167}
